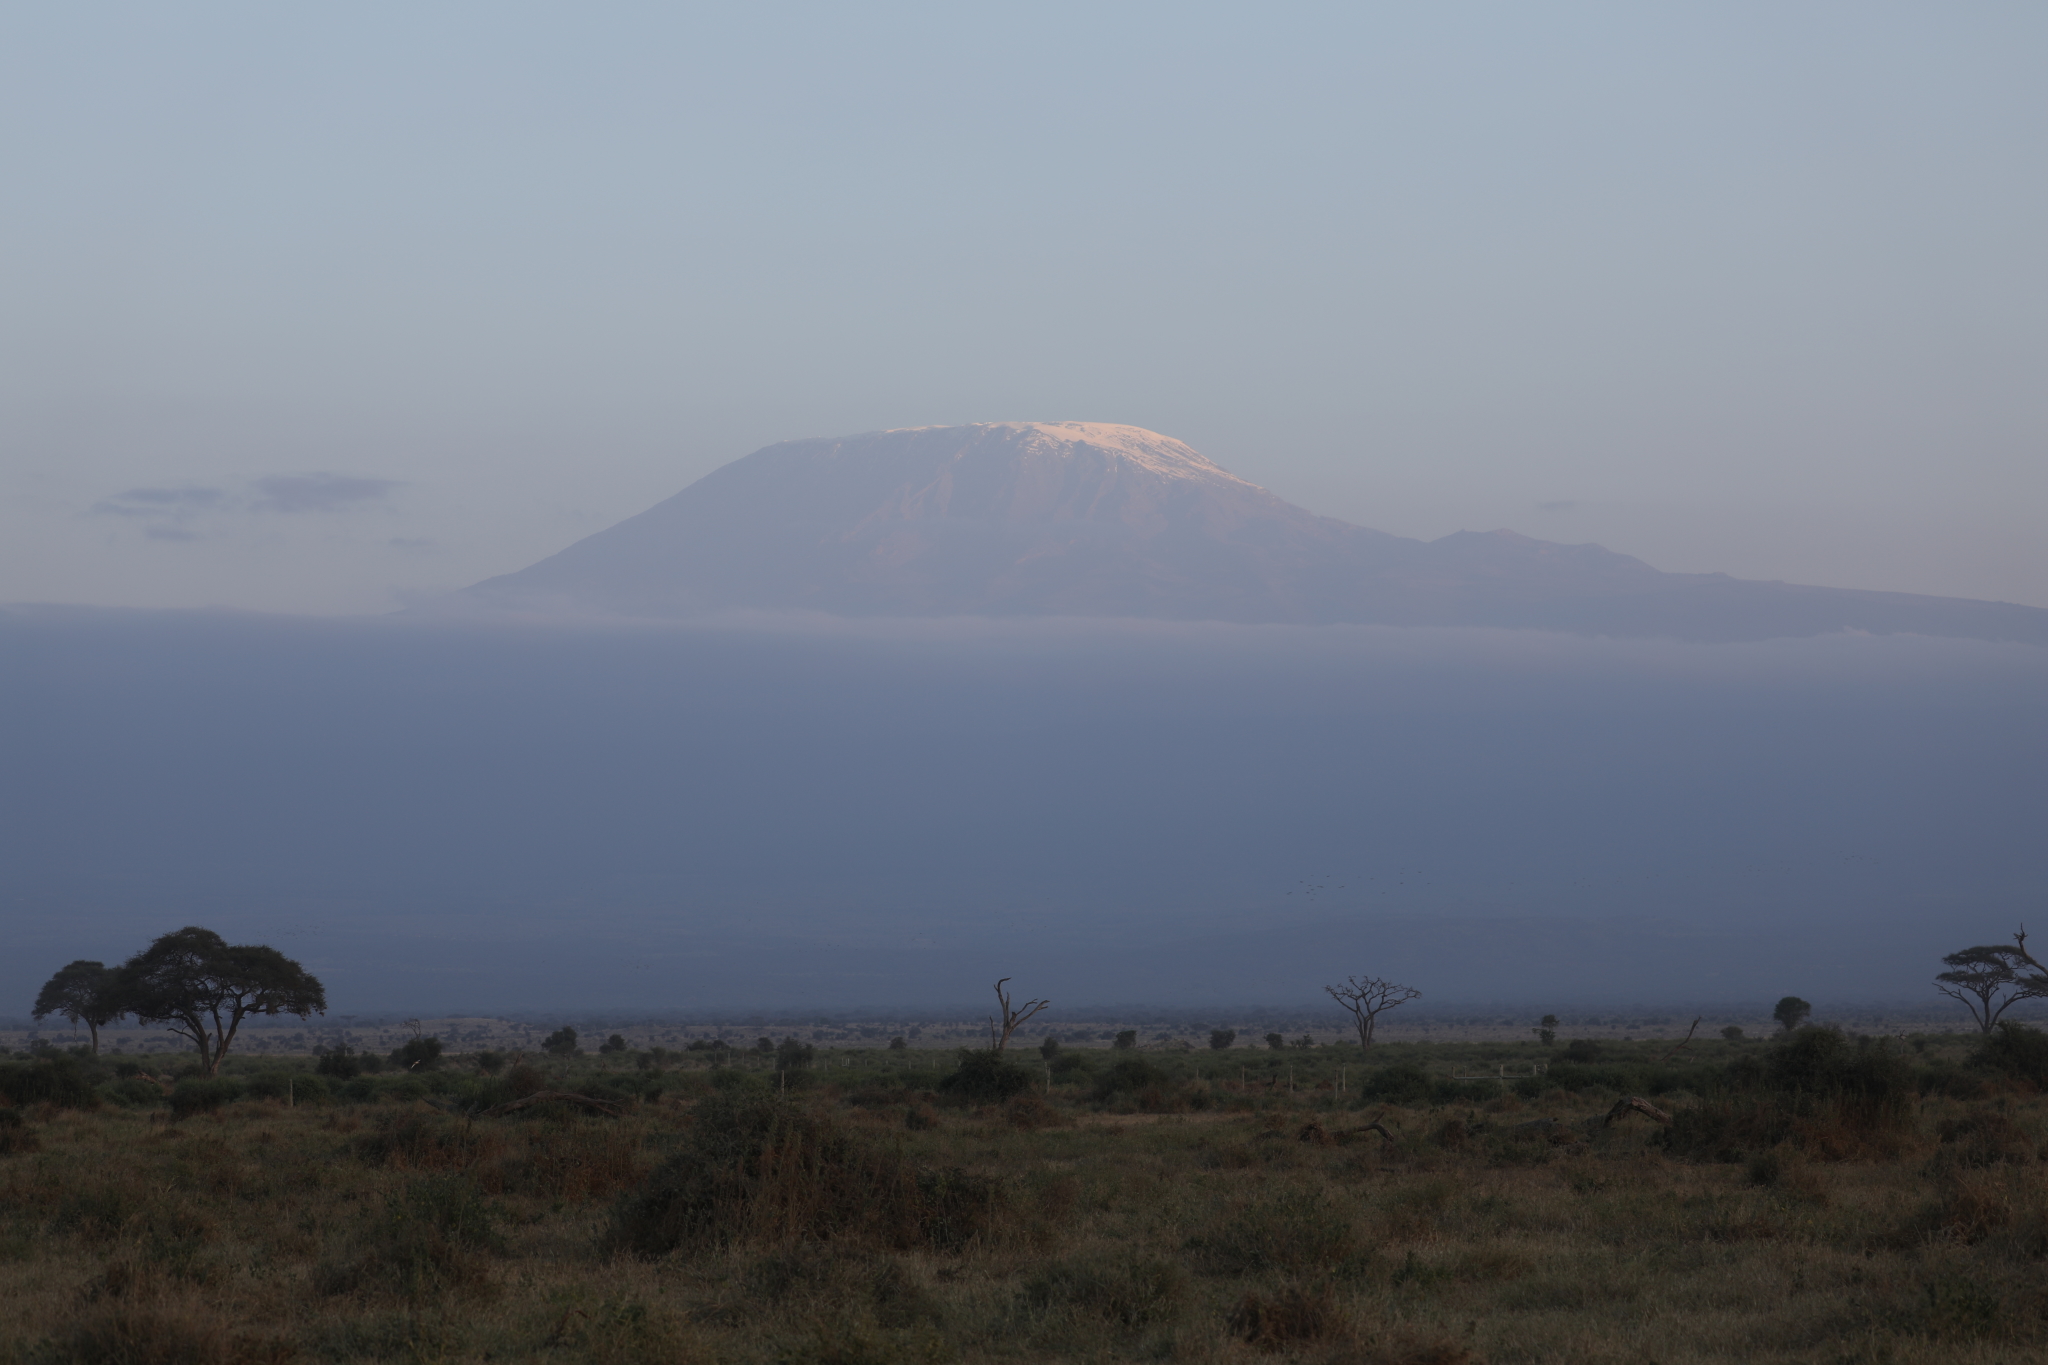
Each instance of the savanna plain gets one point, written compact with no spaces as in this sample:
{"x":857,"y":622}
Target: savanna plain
{"x":1811,"y":1197}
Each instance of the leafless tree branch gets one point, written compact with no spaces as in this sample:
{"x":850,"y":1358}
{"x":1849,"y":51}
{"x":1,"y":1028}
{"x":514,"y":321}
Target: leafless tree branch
{"x":1367,"y":998}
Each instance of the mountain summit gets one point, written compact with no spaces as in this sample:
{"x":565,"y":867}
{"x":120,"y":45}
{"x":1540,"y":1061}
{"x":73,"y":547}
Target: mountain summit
{"x":1096,"y":519}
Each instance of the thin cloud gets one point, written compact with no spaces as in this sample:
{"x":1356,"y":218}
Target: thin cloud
{"x":318,"y":492}
{"x":163,"y":502}
{"x":169,"y":513}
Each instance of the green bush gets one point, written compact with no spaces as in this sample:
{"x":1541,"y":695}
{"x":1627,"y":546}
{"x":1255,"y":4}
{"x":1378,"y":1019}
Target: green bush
{"x":341,"y":1062}
{"x":2017,"y":1051}
{"x":204,"y":1094}
{"x":1828,"y":1095}
{"x":430,"y":1239}
{"x":1401,"y":1083}
{"x":984,"y":1077}
{"x":417,"y":1054}
{"x":60,"y":1080}
{"x":758,"y":1170}
{"x":273,"y":1085}
{"x":561,"y":1043}
{"x":133,"y":1093}
{"x":1130,"y":1076}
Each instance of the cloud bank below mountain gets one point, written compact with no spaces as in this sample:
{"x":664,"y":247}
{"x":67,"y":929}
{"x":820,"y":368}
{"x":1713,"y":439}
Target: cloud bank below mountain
{"x":785,"y":809}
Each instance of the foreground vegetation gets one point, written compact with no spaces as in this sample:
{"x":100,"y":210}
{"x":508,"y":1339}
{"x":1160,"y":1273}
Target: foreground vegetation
{"x":1818,"y":1199}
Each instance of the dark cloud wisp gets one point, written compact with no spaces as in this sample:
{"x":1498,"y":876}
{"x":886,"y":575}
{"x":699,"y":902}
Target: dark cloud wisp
{"x":318,"y":492}
{"x":163,"y":502}
{"x":168,"y":512}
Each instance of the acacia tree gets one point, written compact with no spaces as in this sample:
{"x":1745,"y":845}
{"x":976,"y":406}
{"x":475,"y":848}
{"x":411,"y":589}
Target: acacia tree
{"x":1013,"y":1019}
{"x":82,"y":992}
{"x":1367,"y":998}
{"x":1979,"y":976}
{"x":1791,"y":1012}
{"x":204,"y":987}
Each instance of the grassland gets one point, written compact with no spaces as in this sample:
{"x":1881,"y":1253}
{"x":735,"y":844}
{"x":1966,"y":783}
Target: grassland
{"x":1200,"y":1207}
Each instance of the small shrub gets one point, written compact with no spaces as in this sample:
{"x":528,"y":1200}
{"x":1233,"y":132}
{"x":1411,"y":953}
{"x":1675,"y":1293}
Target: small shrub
{"x":1300,"y":1232}
{"x":791,"y":1055}
{"x":425,"y":1142}
{"x":490,"y":1063}
{"x":612,"y":1045}
{"x":1031,"y":1111}
{"x":1982,"y":1137}
{"x":1126,"y":1040}
{"x":1126,"y":1293}
{"x":342,"y":1063}
{"x":575,"y":1162}
{"x":1583,"y":1050}
{"x":763,"y":1171}
{"x":158,"y":1334}
{"x":431,"y":1239}
{"x":561,"y":1043}
{"x":1220,"y":1039}
{"x":524,"y":1081}
{"x":1281,"y":1320}
{"x":15,"y":1138}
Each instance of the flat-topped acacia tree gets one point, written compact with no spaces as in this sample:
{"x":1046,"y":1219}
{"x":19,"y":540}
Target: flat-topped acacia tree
{"x":84,"y":993}
{"x":204,"y":987}
{"x":1367,"y":998}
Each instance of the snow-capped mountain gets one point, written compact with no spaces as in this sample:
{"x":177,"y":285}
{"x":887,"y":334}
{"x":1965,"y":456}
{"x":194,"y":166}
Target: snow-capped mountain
{"x":1096,"y":519}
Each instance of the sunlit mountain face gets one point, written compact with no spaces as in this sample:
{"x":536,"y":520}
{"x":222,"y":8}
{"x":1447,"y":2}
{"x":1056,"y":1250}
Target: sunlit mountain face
{"x":1092,"y":519}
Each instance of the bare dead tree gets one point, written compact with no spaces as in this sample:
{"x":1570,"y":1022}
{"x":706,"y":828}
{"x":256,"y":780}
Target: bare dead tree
{"x":1367,"y":998}
{"x":2039,"y":967}
{"x":1682,"y":1046}
{"x":1013,"y":1019}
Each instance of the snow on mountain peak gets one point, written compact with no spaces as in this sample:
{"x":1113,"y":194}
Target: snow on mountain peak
{"x":1157,"y":454}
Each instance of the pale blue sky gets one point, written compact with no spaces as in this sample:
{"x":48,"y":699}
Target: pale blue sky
{"x":306,"y":308}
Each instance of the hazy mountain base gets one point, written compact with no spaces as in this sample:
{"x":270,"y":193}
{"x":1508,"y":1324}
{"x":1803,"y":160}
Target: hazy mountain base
{"x":1220,"y":1219}
{"x":790,"y":814}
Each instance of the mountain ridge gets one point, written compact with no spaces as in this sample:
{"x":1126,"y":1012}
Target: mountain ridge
{"x":1102,"y":519}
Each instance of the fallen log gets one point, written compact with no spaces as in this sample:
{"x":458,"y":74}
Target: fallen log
{"x":1628,"y":1104}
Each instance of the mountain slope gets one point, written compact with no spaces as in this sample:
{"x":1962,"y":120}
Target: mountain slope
{"x":1095,"y":519}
